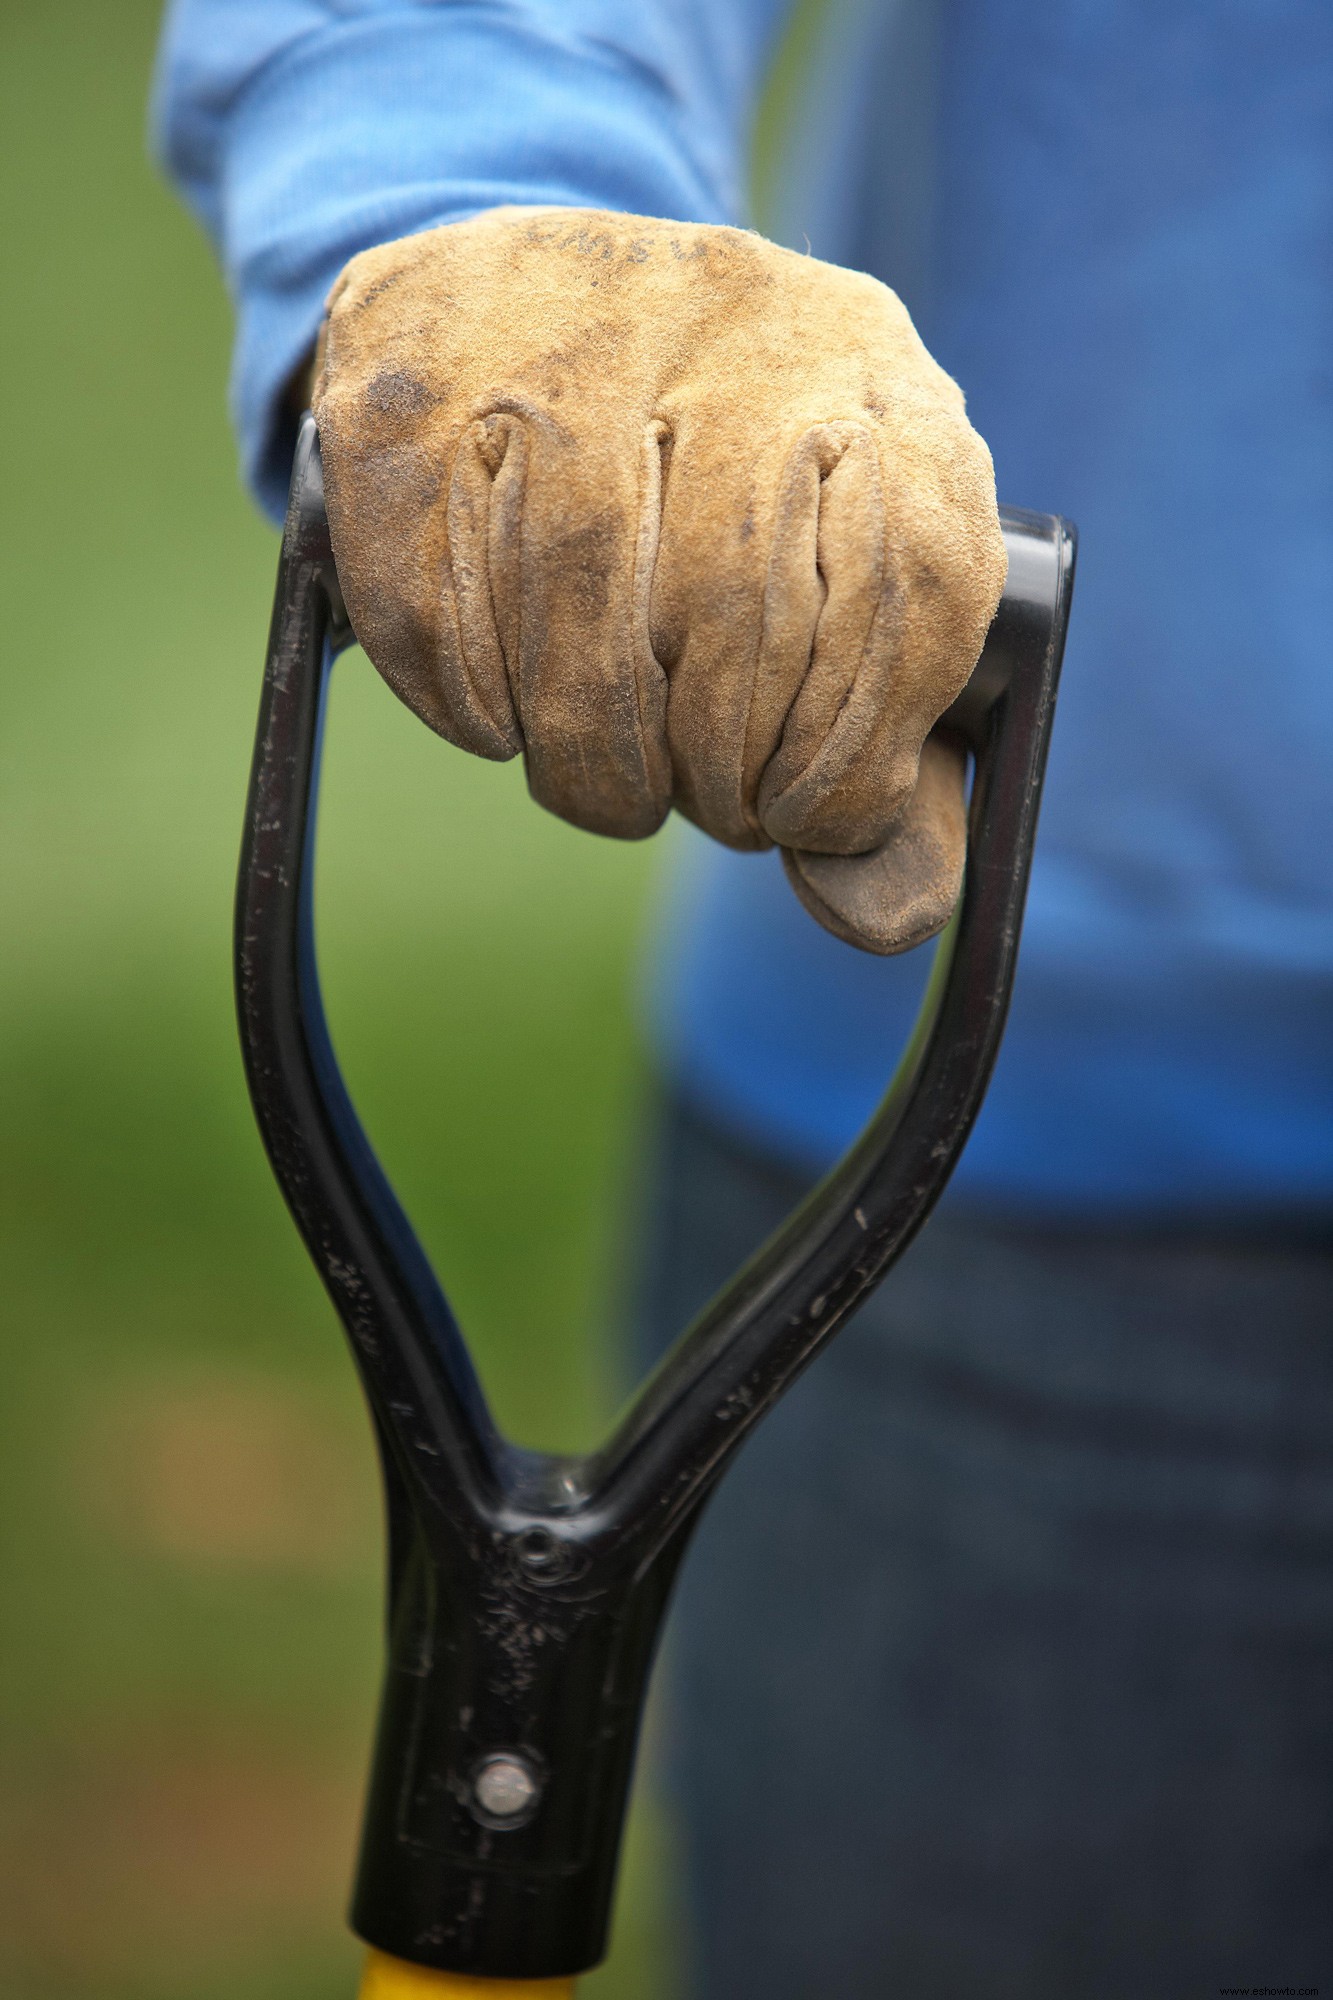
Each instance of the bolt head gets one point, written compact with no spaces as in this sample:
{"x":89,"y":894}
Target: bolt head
{"x":540,"y":1556}
{"x":505,"y":1787}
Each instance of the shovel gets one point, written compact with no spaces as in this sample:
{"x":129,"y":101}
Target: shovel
{"x":527,"y":1590}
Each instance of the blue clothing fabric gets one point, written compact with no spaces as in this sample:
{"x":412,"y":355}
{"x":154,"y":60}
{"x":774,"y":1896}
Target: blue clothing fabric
{"x":1124,"y":252}
{"x":1130,"y":270}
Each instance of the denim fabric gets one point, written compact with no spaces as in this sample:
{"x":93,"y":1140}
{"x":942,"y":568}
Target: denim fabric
{"x":1002,"y":1664}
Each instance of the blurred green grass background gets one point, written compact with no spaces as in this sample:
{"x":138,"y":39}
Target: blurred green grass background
{"x":189,"y":1529}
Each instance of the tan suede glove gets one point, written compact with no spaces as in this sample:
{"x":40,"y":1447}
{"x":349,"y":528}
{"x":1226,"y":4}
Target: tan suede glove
{"x":687,"y":519}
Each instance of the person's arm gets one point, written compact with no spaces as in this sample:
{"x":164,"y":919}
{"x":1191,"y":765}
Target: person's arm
{"x":304,"y":131}
{"x":681,"y":518}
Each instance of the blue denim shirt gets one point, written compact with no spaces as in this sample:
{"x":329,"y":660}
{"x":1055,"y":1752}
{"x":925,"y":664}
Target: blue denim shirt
{"x":1114,"y":221}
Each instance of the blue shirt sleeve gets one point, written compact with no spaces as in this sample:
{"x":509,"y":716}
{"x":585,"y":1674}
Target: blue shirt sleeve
{"x":302,"y":131}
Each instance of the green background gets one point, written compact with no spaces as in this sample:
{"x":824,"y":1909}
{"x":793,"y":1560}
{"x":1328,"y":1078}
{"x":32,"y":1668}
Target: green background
{"x":188,"y":1513}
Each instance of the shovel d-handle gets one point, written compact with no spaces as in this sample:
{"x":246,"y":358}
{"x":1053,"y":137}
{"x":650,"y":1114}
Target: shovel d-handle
{"x":526,"y":1591}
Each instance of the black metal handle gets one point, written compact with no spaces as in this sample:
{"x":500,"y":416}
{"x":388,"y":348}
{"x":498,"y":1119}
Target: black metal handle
{"x":526,"y":1591}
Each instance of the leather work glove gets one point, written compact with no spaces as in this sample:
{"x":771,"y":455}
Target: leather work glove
{"x":687,"y":519}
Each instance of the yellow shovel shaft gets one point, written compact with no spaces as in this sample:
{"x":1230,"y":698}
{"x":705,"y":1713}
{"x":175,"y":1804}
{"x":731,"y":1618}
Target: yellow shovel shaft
{"x":393,"y":1979}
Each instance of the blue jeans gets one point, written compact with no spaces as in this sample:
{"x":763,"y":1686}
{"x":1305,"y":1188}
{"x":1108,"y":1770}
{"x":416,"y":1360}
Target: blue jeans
{"x":1002,"y":1664}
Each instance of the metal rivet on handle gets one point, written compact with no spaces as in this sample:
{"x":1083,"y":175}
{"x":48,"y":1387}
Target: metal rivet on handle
{"x":505,"y":1787}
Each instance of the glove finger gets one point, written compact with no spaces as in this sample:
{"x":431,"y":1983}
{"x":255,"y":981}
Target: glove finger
{"x":551,"y":542}
{"x":848,"y":687}
{"x":482,"y":530}
{"x":812,"y":632}
{"x":910,"y":595}
{"x":742,"y":612}
{"x":903,"y":891}
{"x":705,"y":614}
{"x":388,"y":527}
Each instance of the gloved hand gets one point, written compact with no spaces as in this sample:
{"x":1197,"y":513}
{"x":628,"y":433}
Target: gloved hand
{"x":687,"y":519}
